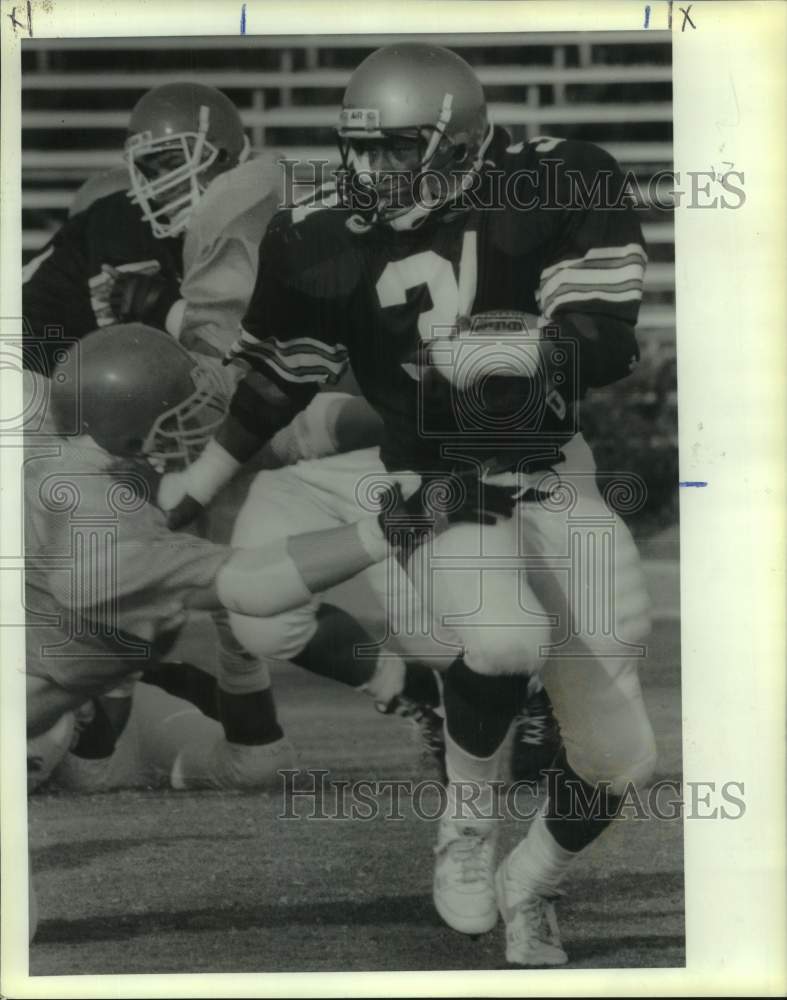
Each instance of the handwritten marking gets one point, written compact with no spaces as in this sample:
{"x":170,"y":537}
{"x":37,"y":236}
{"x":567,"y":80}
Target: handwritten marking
{"x":689,"y":482}
{"x":669,"y":15}
{"x":243,"y":19}
{"x":647,"y":16}
{"x":20,"y":24}
{"x":686,"y":17}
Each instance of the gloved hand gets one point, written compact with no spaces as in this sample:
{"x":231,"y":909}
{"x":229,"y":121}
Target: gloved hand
{"x":144,"y":298}
{"x":441,"y":500}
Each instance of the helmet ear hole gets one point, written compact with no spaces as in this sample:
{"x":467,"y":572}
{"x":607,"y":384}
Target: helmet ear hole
{"x":134,"y":445}
{"x":459,"y":153}
{"x":222,"y":156}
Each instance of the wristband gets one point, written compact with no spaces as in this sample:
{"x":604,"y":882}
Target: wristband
{"x":372,"y":538}
{"x":210,"y":472}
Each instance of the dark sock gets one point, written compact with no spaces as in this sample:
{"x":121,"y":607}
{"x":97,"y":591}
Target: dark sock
{"x":249,"y":718}
{"x":577,"y":812}
{"x":184,"y":680}
{"x":478,"y":708}
{"x":97,"y":740}
{"x":331,"y":653}
{"x":420,"y":685}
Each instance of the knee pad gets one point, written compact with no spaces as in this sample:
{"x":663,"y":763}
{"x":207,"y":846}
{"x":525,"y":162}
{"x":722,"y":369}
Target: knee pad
{"x":632,"y":763}
{"x":501,"y":650}
{"x":281,"y":637}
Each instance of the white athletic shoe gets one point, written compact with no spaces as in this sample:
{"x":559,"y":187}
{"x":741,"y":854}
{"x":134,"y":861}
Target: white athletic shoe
{"x":226,"y":766}
{"x":532,"y":936}
{"x":464,"y":891}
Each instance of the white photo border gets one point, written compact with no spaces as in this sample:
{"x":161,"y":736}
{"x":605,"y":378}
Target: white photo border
{"x":729,"y":104}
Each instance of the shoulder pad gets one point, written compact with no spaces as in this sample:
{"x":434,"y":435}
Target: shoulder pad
{"x":238,"y":203}
{"x":573,"y":154}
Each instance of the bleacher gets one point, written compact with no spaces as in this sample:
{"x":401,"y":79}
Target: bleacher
{"x":614,"y":89}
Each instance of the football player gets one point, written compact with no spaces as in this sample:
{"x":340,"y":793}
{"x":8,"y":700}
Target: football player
{"x":122,"y":257}
{"x":172,"y":241}
{"x":439,"y":239}
{"x":108,"y":585}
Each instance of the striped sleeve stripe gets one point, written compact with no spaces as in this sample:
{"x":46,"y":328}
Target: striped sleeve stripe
{"x":596,"y":255}
{"x":305,"y":366}
{"x":604,"y":280}
{"x":296,"y":345}
{"x":304,"y":374}
{"x":308,"y":345}
{"x":630,"y":295}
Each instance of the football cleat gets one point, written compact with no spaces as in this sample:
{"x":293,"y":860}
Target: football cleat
{"x":536,"y":739}
{"x":224,"y":766}
{"x":429,"y":726}
{"x":532,"y":936}
{"x":464,"y":892}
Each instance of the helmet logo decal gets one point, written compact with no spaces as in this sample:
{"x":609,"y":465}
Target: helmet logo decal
{"x":367,"y":119}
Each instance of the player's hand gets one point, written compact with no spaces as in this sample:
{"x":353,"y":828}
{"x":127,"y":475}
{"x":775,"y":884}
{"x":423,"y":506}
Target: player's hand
{"x":440,"y":501}
{"x":174,"y":499}
{"x":145,"y":298}
{"x":184,"y":514}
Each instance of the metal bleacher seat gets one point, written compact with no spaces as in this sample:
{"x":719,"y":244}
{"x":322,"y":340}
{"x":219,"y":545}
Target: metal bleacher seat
{"x":612,"y":86}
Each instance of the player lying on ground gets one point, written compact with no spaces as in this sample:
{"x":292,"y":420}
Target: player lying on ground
{"x":440,"y":238}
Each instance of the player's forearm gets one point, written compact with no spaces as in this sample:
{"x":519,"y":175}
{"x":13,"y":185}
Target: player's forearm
{"x":287,"y":574}
{"x":607,"y":347}
{"x":258,"y":410}
{"x":332,"y":423}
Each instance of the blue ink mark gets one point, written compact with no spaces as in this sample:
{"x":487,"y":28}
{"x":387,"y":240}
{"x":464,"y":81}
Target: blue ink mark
{"x":243,"y":19}
{"x":647,"y":16}
{"x":693,"y":483}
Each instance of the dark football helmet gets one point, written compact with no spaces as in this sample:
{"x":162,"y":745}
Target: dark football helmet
{"x":138,"y":393}
{"x":412,"y":131}
{"x":180,"y":136}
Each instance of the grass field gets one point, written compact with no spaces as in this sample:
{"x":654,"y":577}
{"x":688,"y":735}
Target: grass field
{"x":156,"y":882}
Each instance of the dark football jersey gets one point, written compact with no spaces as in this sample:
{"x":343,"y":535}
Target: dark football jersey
{"x":547,"y":232}
{"x":65,"y":288}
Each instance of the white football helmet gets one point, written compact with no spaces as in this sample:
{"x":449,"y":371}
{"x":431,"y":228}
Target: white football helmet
{"x":180,"y":136}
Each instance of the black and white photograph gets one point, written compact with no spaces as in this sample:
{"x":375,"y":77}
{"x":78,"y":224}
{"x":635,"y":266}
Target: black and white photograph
{"x":348,"y":564}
